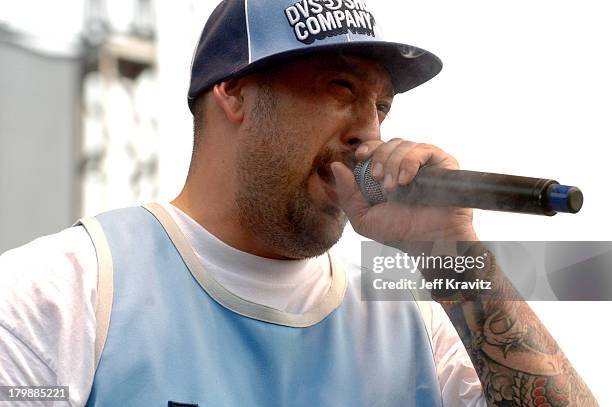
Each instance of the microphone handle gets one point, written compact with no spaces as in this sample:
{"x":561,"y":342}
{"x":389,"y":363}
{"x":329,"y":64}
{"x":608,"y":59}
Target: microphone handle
{"x":481,"y":190}
{"x":469,"y":189}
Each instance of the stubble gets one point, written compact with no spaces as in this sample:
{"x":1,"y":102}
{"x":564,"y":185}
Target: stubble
{"x":272,"y":198}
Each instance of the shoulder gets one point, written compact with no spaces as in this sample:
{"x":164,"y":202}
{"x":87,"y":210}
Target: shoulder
{"x":47,"y":267}
{"x":48,"y":293}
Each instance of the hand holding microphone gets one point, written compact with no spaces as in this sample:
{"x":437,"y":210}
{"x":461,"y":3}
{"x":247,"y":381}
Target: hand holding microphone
{"x":471,"y":189}
{"x":425,"y":196}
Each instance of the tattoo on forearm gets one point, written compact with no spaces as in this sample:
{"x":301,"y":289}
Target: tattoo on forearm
{"x":517,"y":360}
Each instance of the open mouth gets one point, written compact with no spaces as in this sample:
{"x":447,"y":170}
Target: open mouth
{"x":326,"y":174}
{"x":322,"y":165}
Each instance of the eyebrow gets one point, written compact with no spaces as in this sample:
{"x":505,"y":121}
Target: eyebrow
{"x":338,"y":64}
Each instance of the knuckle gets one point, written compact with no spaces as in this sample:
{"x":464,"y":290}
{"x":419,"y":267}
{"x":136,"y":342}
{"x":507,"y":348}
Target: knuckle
{"x":452,"y":162}
{"x":397,"y":158}
{"x":392,"y":164}
{"x":410,"y":166}
{"x":382,"y":152}
{"x":378,"y":156}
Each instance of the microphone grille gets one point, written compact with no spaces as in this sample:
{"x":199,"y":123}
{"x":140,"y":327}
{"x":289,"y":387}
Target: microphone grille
{"x":371,"y":189}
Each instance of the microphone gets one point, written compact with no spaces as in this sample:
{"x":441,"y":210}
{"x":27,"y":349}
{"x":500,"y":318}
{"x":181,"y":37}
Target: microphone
{"x":469,"y":189}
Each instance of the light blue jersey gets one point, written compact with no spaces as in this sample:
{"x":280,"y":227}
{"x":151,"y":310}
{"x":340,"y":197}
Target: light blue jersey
{"x":176,"y":335}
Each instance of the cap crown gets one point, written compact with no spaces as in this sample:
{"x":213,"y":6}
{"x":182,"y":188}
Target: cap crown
{"x":243,"y":35}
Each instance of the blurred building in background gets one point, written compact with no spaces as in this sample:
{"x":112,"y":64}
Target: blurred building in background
{"x":119,"y":135}
{"x":79,"y":127}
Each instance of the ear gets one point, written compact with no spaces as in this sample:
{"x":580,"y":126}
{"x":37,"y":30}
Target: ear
{"x":228,"y":95}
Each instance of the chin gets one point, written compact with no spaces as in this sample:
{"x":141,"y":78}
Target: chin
{"x":330,"y":231}
{"x":317,"y":239}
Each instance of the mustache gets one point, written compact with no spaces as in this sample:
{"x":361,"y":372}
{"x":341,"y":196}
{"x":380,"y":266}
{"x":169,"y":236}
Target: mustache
{"x":322,"y":163}
{"x":329,"y":155}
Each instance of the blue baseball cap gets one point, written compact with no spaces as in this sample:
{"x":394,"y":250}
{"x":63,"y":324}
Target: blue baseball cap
{"x":243,"y":36}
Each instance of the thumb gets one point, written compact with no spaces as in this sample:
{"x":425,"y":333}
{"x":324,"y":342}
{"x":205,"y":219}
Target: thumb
{"x":350,"y":198}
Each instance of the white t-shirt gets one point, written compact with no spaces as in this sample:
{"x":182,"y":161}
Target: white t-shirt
{"x":48,"y":297}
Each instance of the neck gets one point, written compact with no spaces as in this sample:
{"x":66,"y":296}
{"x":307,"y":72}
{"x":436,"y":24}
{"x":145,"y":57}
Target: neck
{"x":211,"y":203}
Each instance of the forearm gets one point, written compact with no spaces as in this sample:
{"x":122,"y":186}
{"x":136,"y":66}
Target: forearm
{"x":516,"y":358}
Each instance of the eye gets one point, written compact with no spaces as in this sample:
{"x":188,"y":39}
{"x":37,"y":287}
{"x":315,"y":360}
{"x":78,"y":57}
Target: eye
{"x":384,"y":108}
{"x":343,"y":83}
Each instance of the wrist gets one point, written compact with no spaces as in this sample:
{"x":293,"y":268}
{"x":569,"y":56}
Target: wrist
{"x":463,"y":234}
{"x":465,"y":270}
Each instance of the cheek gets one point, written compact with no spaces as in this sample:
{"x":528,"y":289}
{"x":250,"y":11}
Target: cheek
{"x":306,"y":133}
{"x":309,"y":125}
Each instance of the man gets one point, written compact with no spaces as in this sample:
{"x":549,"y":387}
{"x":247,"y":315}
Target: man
{"x":229,"y":296}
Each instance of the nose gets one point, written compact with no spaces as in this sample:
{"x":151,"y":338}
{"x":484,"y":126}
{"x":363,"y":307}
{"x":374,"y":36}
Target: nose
{"x":365,"y":126}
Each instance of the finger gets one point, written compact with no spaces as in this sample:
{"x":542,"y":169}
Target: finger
{"x":429,"y":155}
{"x":393,"y":171}
{"x":413,"y":160}
{"x":423,"y":155}
{"x":380,"y":156}
{"x":350,"y":199}
{"x":367,"y":148}
{"x":448,"y":162}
